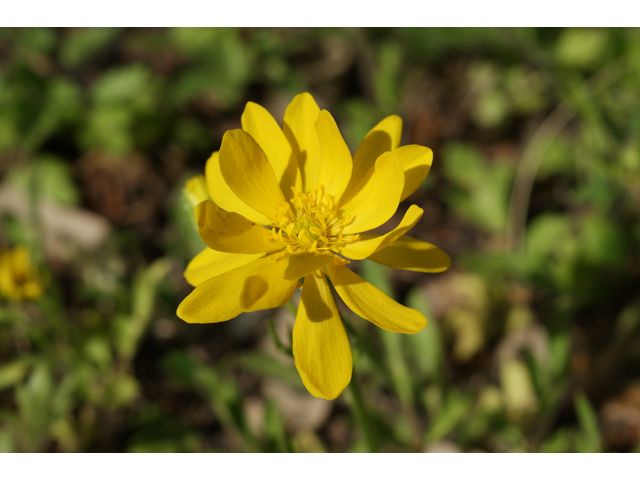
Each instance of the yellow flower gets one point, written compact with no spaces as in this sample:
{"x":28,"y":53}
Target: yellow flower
{"x":19,"y":279}
{"x":292,"y":203}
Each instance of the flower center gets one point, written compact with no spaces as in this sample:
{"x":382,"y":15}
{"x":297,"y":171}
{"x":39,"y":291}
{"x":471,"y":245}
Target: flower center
{"x":311,"y":222}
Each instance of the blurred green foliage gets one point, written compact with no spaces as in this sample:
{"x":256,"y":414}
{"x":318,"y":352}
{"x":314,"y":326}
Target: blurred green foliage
{"x":532,"y":337}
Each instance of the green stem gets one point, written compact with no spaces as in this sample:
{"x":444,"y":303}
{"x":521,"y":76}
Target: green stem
{"x":356,"y":402}
{"x":291,"y":308}
{"x":364,"y":344}
{"x":279,"y":345}
{"x":362,"y":416}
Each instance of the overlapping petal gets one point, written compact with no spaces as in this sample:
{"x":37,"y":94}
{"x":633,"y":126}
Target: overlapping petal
{"x":224,"y":197}
{"x":373,"y":304}
{"x":384,"y":137}
{"x":370,"y":243}
{"x":231,"y":232}
{"x":257,"y":285}
{"x":321,"y":348}
{"x":409,"y":253}
{"x":209,"y":263}
{"x":303,"y":264}
{"x":335,"y":158}
{"x":264,"y":129}
{"x":247,"y":171}
{"x":416,"y":163}
{"x":196,"y":190}
{"x":299,"y":128}
{"x":383,"y":197}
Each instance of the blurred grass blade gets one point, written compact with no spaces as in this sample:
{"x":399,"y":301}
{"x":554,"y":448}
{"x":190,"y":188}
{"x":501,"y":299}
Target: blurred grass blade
{"x":425,"y":348}
{"x":275,"y":429}
{"x":589,"y":440}
{"x":393,"y":343}
{"x":266,"y":365}
{"x":455,"y":409}
{"x":129,"y":329}
{"x":222,"y":394}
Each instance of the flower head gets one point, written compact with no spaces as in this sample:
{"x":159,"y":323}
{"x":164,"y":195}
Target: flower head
{"x":19,"y":278}
{"x":291,"y":203}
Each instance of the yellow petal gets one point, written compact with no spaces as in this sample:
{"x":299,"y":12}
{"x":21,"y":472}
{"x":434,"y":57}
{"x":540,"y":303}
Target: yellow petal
{"x":373,"y":304}
{"x":369,"y":244}
{"x":383,"y":197}
{"x":259,"y":123}
{"x":321,"y":349}
{"x":209,"y":263}
{"x":231,"y":232}
{"x":196,"y":190}
{"x":299,"y":128}
{"x":335,"y":158}
{"x":246,"y":170}
{"x":222,"y":195}
{"x":258,"y":285}
{"x":302,"y":264}
{"x":416,"y":162}
{"x":410,"y":253}
{"x":384,"y":137}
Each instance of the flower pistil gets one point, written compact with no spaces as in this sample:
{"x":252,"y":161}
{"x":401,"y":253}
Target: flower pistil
{"x":312,"y":222}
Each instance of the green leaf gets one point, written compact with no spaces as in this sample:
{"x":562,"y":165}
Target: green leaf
{"x":40,"y":39}
{"x":602,"y":242}
{"x":122,"y":391}
{"x":463,"y":165}
{"x":9,"y":131}
{"x":96,"y":349}
{"x":517,"y":386}
{"x":589,"y":440}
{"x":222,"y":65}
{"x":12,"y":373}
{"x":558,"y":159}
{"x":394,"y":348}
{"x":456,"y":407}
{"x":558,"y":442}
{"x":527,"y":89}
{"x":49,"y":176}
{"x":425,"y":348}
{"x":123,"y":85}
{"x":266,"y":365}
{"x":156,"y":432}
{"x":387,"y":75}
{"x":223,"y":394}
{"x":64,"y":398}
{"x":491,"y":109}
{"x":581,"y":47}
{"x":358,"y":116}
{"x":109,"y":128}
{"x":62,"y":105}
{"x":274,"y":428}
{"x":130,"y":328}
{"x":481,"y":192}
{"x":6,"y":442}
{"x":194,"y":41}
{"x":551,"y":248}
{"x":560,"y":348}
{"x":81,"y":44}
{"x":34,"y":406}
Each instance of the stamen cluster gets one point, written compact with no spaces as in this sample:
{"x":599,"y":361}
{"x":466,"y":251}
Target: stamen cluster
{"x":312,"y":222}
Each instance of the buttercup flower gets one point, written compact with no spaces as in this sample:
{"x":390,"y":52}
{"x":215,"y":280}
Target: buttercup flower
{"x":291,"y":203}
{"x":19,"y":278}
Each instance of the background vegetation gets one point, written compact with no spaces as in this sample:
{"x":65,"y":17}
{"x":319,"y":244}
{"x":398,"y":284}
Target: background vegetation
{"x":533,"y":342}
